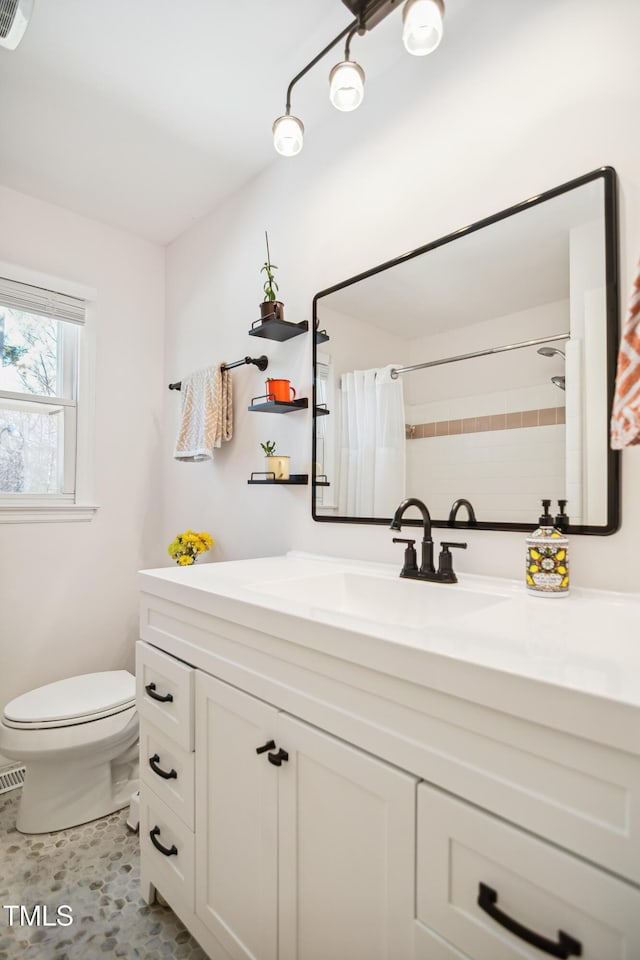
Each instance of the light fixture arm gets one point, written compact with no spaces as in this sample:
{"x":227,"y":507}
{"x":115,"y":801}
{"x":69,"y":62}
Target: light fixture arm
{"x":352,"y":28}
{"x":359,"y":28}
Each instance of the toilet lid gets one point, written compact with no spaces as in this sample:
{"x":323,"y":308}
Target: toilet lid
{"x":76,"y":699}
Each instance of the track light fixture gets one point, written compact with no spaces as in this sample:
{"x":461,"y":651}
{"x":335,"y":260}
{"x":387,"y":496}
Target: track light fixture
{"x":346,"y":85}
{"x":422,"y":26}
{"x":288,"y":133}
{"x":421,"y":34}
{"x":346,"y":81}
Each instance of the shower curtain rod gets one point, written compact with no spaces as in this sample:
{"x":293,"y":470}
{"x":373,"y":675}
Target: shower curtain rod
{"x":396,"y":371}
{"x":261,"y":363}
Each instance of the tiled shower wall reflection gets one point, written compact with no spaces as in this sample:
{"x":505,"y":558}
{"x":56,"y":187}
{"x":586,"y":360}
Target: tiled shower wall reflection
{"x":499,"y":421}
{"x":504,"y":471}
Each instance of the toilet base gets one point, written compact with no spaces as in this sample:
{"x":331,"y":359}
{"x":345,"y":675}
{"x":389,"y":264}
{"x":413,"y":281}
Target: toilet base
{"x":57,"y":796}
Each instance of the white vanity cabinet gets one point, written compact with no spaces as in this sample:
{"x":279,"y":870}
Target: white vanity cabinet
{"x":165,"y":698}
{"x":305,"y":849}
{"x":298,"y":847}
{"x":339,"y":798}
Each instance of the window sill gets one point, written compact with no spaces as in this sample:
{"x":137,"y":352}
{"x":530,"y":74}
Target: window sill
{"x":46,"y":513}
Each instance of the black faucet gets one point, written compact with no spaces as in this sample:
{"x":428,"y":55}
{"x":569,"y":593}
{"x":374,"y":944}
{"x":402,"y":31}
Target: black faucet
{"x":427,"y":571}
{"x":454,"y":510}
{"x":426,"y":567}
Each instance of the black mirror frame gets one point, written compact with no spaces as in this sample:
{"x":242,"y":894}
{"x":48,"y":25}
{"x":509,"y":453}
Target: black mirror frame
{"x":608,"y":176}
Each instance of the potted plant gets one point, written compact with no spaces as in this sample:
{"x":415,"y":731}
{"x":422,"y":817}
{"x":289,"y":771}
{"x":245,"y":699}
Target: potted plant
{"x":270,"y":306}
{"x":277,"y":465}
{"x":187,"y":547}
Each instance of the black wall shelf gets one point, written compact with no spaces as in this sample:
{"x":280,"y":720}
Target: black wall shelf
{"x":274,"y":328}
{"x":322,"y":336}
{"x":322,"y":410}
{"x":278,"y":406}
{"x":295,"y":479}
{"x":277,"y":329}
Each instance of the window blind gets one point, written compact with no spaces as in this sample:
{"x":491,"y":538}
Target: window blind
{"x":46,"y":303}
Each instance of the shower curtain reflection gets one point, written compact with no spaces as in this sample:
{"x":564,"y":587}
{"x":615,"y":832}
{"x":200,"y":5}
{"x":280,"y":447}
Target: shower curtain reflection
{"x":372,"y":454}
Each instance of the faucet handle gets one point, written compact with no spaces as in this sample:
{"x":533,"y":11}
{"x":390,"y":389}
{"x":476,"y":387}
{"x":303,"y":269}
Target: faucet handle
{"x":410,"y":557}
{"x":445,"y":562}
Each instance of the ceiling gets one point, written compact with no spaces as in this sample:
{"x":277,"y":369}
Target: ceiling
{"x":146,"y":113}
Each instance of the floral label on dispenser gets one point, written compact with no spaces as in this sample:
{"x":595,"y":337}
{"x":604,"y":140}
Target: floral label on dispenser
{"x":547,"y":562}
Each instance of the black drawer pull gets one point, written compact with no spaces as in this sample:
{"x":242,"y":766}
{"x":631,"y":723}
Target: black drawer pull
{"x":269,"y":745}
{"x":153,"y":763}
{"x":168,"y":851}
{"x":564,"y":948}
{"x":277,"y":758}
{"x":150,"y":688}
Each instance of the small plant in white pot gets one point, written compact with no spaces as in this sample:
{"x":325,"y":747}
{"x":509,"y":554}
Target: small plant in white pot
{"x":277,"y":465}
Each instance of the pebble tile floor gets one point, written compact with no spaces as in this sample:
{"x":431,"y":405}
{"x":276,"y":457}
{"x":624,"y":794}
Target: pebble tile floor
{"x":95,"y":870}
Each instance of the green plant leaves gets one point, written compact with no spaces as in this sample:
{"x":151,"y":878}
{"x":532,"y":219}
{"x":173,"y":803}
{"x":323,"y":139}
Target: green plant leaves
{"x":270,"y":286}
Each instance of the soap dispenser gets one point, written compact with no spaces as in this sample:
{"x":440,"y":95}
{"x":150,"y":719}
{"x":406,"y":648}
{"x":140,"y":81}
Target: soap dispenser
{"x":562,"y":520}
{"x":547,"y":565}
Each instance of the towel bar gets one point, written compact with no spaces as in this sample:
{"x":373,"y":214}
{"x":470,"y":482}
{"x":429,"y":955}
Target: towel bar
{"x":260,"y":362}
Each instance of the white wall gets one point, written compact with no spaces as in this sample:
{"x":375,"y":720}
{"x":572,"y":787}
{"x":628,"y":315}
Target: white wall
{"x":356,"y":344}
{"x":68,"y":591}
{"x":520,"y":97}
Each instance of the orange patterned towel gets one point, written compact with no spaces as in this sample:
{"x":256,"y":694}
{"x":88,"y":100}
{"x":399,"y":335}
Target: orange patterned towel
{"x":207,"y":414}
{"x":625,"y":418}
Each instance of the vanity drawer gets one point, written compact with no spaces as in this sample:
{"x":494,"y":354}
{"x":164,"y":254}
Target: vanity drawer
{"x":168,"y":770}
{"x":164,"y":688}
{"x":429,"y":946}
{"x":464,"y":852}
{"x":167,"y":847}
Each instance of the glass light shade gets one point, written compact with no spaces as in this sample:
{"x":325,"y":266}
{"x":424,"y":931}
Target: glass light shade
{"x":288,"y":135}
{"x":346,"y":85}
{"x":422,"y":26}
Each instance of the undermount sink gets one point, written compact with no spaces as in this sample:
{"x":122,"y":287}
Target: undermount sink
{"x":399,"y":602}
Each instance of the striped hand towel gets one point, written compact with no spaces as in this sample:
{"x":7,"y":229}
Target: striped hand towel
{"x":625,"y":418}
{"x":207,"y":414}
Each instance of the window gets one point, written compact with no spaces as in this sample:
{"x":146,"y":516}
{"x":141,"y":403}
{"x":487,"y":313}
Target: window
{"x":40,"y":350}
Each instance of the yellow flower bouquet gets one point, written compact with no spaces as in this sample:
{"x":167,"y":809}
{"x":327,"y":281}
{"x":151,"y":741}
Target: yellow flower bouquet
{"x":187,"y":547}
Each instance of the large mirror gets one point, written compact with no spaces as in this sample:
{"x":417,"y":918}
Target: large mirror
{"x":480,"y":366}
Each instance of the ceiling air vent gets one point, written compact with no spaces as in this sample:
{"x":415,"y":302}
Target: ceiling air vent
{"x":14,"y":17}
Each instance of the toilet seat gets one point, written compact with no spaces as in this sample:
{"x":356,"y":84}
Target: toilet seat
{"x":70,"y":702}
{"x":69,"y":741}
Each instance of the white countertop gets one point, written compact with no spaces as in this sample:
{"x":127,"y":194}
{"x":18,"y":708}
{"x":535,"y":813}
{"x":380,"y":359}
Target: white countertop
{"x":506,"y":653}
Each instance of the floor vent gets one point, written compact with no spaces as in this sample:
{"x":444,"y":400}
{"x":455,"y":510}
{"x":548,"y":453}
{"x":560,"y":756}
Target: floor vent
{"x":12,"y":779}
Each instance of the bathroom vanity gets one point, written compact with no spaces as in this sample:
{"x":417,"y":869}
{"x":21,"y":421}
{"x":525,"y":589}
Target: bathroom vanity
{"x":337,"y":764}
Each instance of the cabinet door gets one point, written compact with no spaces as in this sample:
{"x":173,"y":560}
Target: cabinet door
{"x":236,"y":820}
{"x":347,"y":850}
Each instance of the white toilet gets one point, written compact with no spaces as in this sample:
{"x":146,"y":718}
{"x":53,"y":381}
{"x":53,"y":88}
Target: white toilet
{"x":78,"y":739}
